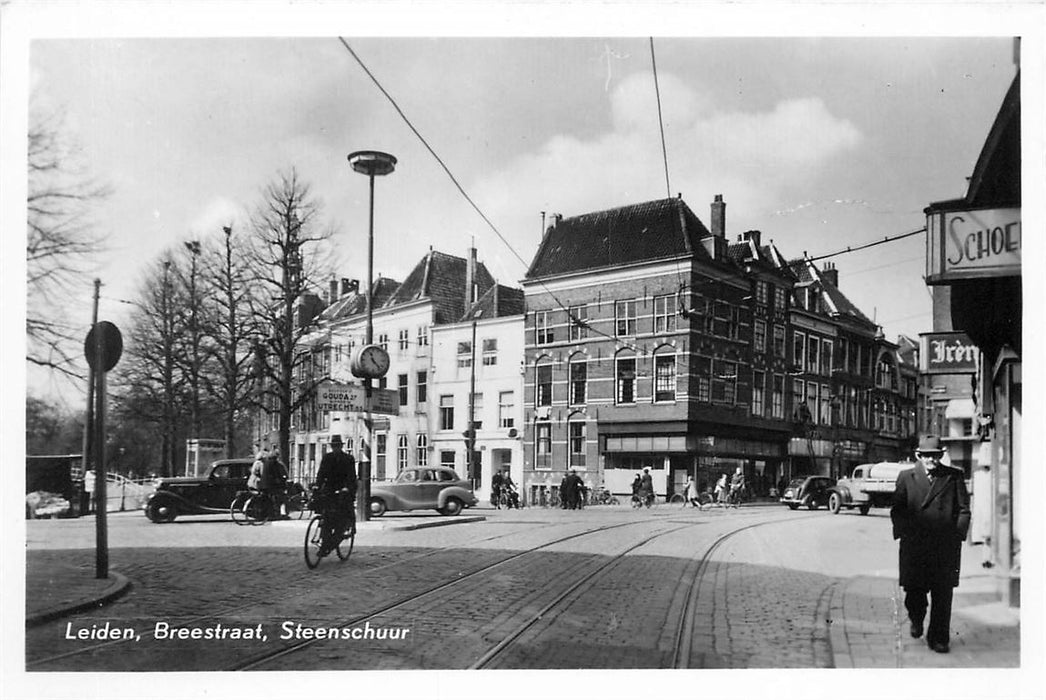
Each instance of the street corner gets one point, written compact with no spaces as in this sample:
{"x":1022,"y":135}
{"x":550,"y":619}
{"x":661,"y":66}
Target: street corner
{"x":62,"y":591}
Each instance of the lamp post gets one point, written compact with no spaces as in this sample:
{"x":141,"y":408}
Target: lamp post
{"x":371,"y":164}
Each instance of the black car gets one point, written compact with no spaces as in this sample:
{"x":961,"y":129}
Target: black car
{"x":192,"y":495}
{"x":809,"y":491}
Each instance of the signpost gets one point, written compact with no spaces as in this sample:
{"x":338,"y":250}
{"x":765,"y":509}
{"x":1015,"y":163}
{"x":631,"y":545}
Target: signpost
{"x":352,"y":398}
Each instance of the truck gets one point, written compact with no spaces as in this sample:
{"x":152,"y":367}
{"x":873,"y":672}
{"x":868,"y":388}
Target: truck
{"x":869,"y":486}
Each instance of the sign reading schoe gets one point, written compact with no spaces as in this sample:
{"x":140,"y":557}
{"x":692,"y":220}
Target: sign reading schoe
{"x":947,"y":353}
{"x":972,"y":244}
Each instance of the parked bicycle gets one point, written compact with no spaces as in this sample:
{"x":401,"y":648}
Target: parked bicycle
{"x":253,"y":507}
{"x":602,"y":497}
{"x":344,"y":532}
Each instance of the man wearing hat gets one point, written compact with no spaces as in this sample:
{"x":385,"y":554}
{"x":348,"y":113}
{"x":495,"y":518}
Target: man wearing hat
{"x":336,"y":486}
{"x":930,"y":514}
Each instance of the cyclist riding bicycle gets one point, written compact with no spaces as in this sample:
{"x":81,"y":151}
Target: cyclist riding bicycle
{"x":737,"y":486}
{"x":336,"y":488}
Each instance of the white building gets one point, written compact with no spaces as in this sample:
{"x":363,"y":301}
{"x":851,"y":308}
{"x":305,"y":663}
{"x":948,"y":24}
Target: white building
{"x":486,"y":348}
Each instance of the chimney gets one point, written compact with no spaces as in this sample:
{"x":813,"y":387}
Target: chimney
{"x":831,"y":274}
{"x":753,"y":236}
{"x":349,"y":286}
{"x":718,"y":220}
{"x":333,"y":291}
{"x":470,"y":279}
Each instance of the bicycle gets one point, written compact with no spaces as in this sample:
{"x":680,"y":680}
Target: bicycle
{"x":315,"y":549}
{"x":253,"y":508}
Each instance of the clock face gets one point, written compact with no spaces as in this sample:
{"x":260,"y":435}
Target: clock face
{"x":370,"y":362}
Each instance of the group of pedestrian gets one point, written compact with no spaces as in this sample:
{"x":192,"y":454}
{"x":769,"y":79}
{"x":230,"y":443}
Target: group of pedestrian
{"x":572,"y":492}
{"x":643,"y":489}
{"x":268,"y":476}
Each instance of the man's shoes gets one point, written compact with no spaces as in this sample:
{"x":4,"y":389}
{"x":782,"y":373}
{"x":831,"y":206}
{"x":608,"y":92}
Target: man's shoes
{"x":939,"y":647}
{"x":916,"y":629}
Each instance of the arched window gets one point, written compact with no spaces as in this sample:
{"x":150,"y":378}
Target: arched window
{"x":423,"y":450}
{"x":665,"y":374}
{"x":625,"y":374}
{"x":402,"y":452}
{"x":578,"y":379}
{"x":577,"y":433}
{"x":543,"y":382}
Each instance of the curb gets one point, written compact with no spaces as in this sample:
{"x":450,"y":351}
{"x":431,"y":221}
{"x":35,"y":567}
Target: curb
{"x":392,"y":525}
{"x":120,"y":585}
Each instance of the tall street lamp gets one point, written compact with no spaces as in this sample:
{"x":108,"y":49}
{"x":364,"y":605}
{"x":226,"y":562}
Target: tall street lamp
{"x":371,"y":164}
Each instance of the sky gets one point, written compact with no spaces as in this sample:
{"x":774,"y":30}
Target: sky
{"x":820,"y":143}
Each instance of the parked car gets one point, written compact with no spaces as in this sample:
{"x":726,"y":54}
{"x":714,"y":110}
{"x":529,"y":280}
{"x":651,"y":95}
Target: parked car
{"x":870,"y":486}
{"x":421,"y":488}
{"x":807,"y":491}
{"x":198,"y":495}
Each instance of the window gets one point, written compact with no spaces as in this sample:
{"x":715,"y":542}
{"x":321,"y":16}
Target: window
{"x":380,"y":448}
{"x":446,"y":412}
{"x":665,"y":377}
{"x":798,"y":396}
{"x":811,"y":400}
{"x":799,"y":351}
{"x":403,"y":389}
{"x":543,"y":389}
{"x":625,"y":318}
{"x":383,"y":382}
{"x":422,"y":450}
{"x":543,"y":328}
{"x":402,"y":452}
{"x":578,"y":381}
{"x":826,"y":405}
{"x":465,"y":353}
{"x":490,"y":351}
{"x":543,"y":445}
{"x":759,"y":335}
{"x":727,"y":320}
{"x":826,"y":357}
{"x":779,"y":341}
{"x":577,"y":443}
{"x":780,"y":299}
{"x":446,"y":458}
{"x":703,"y":370}
{"x":477,"y":411}
{"x":404,"y":339}
{"x":506,"y":409}
{"x":758,"y":388}
{"x":724,"y":382}
{"x":762,"y":290}
{"x":777,"y":398}
{"x":578,"y":322}
{"x":423,"y":387}
{"x":664,"y":314}
{"x":383,"y":341}
{"x":423,"y":336}
{"x":813,"y":355}
{"x":626,"y":380}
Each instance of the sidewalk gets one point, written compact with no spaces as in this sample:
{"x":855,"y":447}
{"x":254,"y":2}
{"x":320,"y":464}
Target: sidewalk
{"x":869,"y":625}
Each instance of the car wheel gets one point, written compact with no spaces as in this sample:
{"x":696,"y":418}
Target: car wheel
{"x":453,"y":507}
{"x":377,"y":507}
{"x":864,"y":509}
{"x":161,"y":511}
{"x":811,"y":503}
{"x":835,"y":503}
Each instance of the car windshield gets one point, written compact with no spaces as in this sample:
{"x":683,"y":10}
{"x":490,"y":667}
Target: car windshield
{"x":796,"y":483}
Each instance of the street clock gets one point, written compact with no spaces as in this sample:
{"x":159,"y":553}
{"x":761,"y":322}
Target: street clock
{"x":370,"y":362}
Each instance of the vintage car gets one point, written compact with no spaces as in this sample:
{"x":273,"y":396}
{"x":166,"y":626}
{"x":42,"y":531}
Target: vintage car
{"x":198,"y":495}
{"x":421,"y":488}
{"x":807,"y":491}
{"x":869,"y":486}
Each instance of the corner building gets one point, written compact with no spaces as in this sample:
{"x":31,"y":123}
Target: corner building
{"x":650,"y":343}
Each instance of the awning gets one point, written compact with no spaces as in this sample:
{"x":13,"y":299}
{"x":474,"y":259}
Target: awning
{"x":959,"y":408}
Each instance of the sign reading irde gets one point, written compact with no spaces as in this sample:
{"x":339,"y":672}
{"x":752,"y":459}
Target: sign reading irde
{"x":977,"y":243}
{"x":947,"y":353}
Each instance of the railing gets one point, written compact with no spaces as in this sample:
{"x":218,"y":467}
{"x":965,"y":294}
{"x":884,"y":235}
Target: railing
{"x":122,"y":493}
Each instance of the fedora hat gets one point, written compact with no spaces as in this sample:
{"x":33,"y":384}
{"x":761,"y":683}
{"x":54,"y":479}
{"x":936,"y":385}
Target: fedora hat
{"x":336,"y":440}
{"x":930,"y":443}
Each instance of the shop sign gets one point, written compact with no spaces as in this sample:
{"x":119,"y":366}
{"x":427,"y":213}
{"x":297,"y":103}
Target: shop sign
{"x":947,"y":353}
{"x":973,"y":244}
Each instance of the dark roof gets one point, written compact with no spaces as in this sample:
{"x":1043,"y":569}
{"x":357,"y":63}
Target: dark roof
{"x":996,"y":178}
{"x":441,"y":278}
{"x":355,"y":303}
{"x":498,"y":301}
{"x":838,"y":304}
{"x":654,"y":230}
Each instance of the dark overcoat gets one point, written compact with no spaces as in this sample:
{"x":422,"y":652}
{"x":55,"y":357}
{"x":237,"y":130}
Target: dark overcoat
{"x":931,"y":521}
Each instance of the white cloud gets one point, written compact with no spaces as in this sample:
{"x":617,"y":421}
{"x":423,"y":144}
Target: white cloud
{"x":217,"y":213}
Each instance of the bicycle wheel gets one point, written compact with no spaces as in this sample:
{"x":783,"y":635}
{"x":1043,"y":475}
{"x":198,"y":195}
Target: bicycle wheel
{"x":314,"y":542}
{"x":236,"y":510}
{"x":348,"y":540}
{"x":296,"y":506}
{"x":258,"y":509}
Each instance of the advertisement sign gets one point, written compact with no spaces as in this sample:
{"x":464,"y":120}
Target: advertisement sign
{"x":973,"y":244}
{"x":947,"y":353}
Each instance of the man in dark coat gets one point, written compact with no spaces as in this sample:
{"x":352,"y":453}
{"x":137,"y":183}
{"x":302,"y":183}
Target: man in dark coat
{"x":930,"y":514}
{"x":336,"y":484}
{"x":566,"y":492}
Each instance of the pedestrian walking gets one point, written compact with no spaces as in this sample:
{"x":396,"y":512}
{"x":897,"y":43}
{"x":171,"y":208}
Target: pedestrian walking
{"x":930,"y":515}
{"x":89,"y":479}
{"x":273,"y":480}
{"x":981,"y":524}
{"x":690,"y":493}
{"x":646,"y":488}
{"x":720,"y":489}
{"x":495,"y":489}
{"x":737,"y":487}
{"x":566,"y":492}
{"x":637,"y":485}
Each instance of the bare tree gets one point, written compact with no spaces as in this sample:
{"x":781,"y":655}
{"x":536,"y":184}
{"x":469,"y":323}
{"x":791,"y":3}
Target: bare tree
{"x":231,"y":325}
{"x":289,"y":250}
{"x":61,"y":242}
